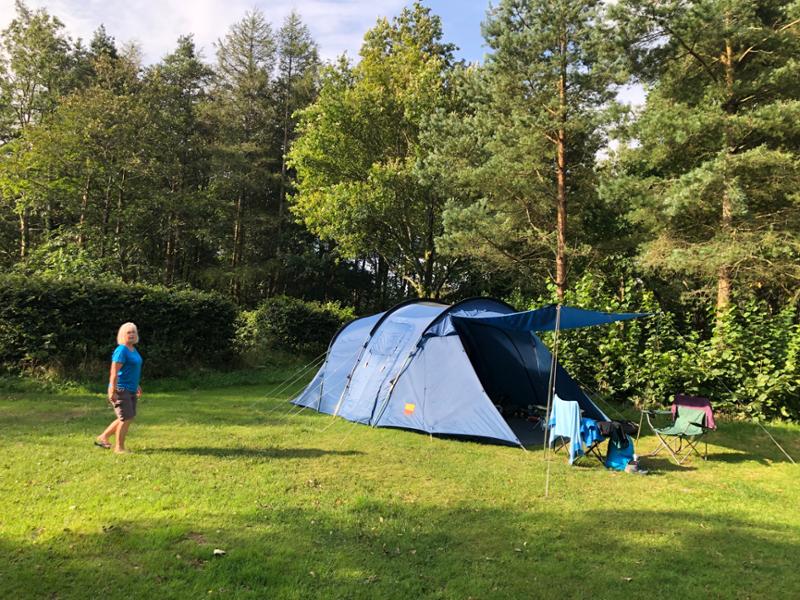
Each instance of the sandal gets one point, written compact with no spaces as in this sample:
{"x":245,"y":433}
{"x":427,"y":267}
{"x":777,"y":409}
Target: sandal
{"x":102,"y":444}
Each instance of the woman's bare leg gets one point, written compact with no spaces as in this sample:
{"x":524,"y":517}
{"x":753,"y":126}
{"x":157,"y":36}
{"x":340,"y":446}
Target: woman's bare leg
{"x":122,"y":430}
{"x":110,"y":430}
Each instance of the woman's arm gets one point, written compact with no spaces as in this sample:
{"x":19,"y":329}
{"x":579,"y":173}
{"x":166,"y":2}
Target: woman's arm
{"x":112,"y":380}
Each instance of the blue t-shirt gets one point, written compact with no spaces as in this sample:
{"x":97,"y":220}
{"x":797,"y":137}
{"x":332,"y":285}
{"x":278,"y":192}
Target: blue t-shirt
{"x":128,"y":376}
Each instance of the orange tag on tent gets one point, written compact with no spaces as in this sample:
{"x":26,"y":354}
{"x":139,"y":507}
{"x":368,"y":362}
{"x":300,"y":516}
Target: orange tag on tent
{"x":409,"y":408}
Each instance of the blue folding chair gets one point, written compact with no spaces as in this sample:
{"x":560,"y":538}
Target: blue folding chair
{"x":580,"y":435}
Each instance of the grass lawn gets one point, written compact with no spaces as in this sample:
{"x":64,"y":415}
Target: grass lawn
{"x":307,"y":507}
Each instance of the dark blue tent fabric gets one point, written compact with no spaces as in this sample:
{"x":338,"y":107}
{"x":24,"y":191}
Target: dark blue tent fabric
{"x":544,"y":319}
{"x":514,"y":367}
{"x":447,"y":370}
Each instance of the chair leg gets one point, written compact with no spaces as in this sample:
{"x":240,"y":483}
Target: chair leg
{"x":664,"y":444}
{"x":660,"y":446}
{"x":559,"y":445}
{"x":594,"y":450}
{"x":692,"y":447}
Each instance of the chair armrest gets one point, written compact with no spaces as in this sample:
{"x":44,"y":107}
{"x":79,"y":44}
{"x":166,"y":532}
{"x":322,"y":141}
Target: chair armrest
{"x":657,"y":412}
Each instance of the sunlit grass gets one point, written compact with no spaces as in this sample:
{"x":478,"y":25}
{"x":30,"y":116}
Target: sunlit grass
{"x":307,"y":507}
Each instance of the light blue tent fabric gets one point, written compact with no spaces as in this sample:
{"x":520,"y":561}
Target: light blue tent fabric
{"x":440,"y":369}
{"x":383,"y":357}
{"x":326,"y":388}
{"x":427,"y":398}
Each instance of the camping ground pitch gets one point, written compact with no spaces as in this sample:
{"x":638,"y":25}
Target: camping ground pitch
{"x":306,"y":507}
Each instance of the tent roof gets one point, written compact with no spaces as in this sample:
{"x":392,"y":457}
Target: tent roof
{"x":471,"y":307}
{"x":496,"y":313}
{"x":544,"y":319}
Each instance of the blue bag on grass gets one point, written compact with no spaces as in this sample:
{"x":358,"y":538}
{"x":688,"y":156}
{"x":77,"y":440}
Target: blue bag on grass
{"x":618,"y":458}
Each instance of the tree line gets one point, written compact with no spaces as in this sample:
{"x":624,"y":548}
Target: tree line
{"x":172,"y":173}
{"x":408,"y":172}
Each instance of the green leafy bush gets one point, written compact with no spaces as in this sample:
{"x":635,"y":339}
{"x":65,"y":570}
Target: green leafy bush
{"x":70,"y":325}
{"x":291,"y":324}
{"x":748,"y":367}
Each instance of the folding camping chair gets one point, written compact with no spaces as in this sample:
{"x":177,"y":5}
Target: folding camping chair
{"x":692,"y":417}
{"x":573,"y":431}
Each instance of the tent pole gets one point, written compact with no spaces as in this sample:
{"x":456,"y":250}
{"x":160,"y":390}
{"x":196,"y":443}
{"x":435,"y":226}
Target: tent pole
{"x":658,"y":353}
{"x":550,"y":392}
{"x":350,"y":377}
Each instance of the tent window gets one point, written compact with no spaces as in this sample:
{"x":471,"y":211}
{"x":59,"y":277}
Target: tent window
{"x":389,"y":338}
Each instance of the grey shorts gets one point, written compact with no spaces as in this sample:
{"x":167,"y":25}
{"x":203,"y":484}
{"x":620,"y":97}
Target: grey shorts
{"x":125,"y":405}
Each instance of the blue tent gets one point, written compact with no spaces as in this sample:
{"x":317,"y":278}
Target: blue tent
{"x":447,"y":370}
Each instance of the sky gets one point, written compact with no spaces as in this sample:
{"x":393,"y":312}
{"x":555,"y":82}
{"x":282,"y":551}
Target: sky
{"x":337,"y":25}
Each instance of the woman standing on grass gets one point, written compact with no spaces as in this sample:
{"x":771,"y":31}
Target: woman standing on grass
{"x":123,"y":387}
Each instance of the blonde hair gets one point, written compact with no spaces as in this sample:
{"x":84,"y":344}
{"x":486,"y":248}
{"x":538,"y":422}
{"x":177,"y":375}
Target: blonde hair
{"x":123,"y":329}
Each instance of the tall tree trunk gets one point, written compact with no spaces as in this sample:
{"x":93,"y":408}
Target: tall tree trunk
{"x":237,"y":248}
{"x":84,"y":208}
{"x":118,"y":226}
{"x":430,"y":251}
{"x":176,"y":250}
{"x":106,"y":218}
{"x":726,"y":217}
{"x":46,"y":217}
{"x":382,"y":276}
{"x":169,"y":250}
{"x":23,"y":233}
{"x":561,"y":177}
{"x":237,"y":233}
{"x":284,"y":148}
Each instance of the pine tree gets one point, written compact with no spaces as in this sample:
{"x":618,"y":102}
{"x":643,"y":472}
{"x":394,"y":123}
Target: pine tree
{"x":246,"y":157}
{"x":298,"y":66}
{"x":102,"y":44}
{"x":178,"y":146}
{"x":716,"y":169}
{"x":522,"y":150}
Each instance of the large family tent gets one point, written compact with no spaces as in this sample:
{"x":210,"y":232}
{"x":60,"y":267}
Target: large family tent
{"x":451,"y":370}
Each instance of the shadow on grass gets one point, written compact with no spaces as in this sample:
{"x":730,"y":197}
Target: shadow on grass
{"x":663,"y":464}
{"x":732,"y":442}
{"x":373,"y":549}
{"x":265,"y":453}
{"x":740,"y":457}
{"x":747,"y":441}
{"x":26,"y":413}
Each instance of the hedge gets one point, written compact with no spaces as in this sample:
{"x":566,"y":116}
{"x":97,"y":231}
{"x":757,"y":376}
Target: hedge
{"x":291,"y":324}
{"x":70,"y":325}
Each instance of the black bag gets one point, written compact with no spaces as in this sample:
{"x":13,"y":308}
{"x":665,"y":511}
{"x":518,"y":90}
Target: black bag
{"x":618,"y":431}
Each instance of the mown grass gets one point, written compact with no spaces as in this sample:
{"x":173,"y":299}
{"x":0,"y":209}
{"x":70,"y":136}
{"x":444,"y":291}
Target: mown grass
{"x":307,"y":507}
